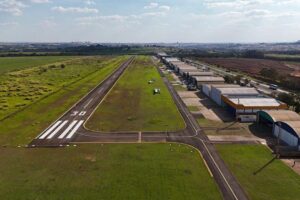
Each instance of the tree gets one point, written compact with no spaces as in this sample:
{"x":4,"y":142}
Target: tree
{"x":269,"y":73}
{"x":229,"y":79}
{"x":287,"y":98}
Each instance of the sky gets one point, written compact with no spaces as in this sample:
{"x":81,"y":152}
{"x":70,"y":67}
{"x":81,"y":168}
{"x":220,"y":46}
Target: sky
{"x":138,"y":21}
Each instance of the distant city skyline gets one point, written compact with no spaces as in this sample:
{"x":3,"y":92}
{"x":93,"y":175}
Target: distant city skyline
{"x":129,"y":21}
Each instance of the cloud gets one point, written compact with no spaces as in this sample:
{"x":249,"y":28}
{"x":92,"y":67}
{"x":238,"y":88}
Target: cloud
{"x":151,"y":5}
{"x":13,"y":7}
{"x":62,"y":9}
{"x":89,"y":2}
{"x":165,"y":8}
{"x":40,"y":1}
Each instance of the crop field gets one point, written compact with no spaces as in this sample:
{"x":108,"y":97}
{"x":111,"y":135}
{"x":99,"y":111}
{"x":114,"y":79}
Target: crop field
{"x":132,"y":106}
{"x":63,"y":87}
{"x":254,"y":66}
{"x":9,"y":64}
{"x":261,"y":176}
{"x":119,"y":171}
{"x":24,"y":87}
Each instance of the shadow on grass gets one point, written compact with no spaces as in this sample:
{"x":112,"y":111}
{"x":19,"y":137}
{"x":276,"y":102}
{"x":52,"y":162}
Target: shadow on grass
{"x":264,"y":166}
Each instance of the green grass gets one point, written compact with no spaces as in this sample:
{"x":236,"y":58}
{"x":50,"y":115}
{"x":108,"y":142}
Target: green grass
{"x":21,"y":128}
{"x":120,"y":171}
{"x":24,"y":87}
{"x":223,"y":128}
{"x":281,"y":56}
{"x":131,"y":105}
{"x":274,"y":181}
{"x":8,"y":64}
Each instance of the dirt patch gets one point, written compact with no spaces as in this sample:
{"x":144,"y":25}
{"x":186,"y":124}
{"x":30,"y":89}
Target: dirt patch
{"x":251,"y":66}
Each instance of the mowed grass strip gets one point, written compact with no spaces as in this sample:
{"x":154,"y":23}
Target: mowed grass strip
{"x":8,"y":64}
{"x":260,"y":175}
{"x":132,"y":106}
{"x":119,"y":171}
{"x":21,"y":128}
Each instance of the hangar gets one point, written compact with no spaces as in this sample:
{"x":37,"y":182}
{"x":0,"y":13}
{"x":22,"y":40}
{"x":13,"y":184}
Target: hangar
{"x":285,"y":125}
{"x":200,"y":80}
{"x":206,"y":88}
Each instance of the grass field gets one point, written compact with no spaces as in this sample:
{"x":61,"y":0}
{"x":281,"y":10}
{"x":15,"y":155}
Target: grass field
{"x":223,"y":128}
{"x":131,"y":105}
{"x":120,"y":171}
{"x":260,"y":175}
{"x":24,"y":87}
{"x":8,"y":64}
{"x":22,"y":127}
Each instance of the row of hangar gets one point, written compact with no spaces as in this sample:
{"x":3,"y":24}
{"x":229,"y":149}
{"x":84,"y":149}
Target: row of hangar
{"x":246,"y":104}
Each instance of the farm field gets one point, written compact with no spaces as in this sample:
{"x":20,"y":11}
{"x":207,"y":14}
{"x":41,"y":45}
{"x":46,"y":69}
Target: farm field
{"x":114,"y":171}
{"x":132,"y":106}
{"x":8,"y":64}
{"x":253,"y":66}
{"x":261,"y":176}
{"x":34,"y":118}
{"x":24,"y":87}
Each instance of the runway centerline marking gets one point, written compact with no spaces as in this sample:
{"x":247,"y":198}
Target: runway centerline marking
{"x":75,"y":129}
{"x":86,"y":105}
{"x":67,"y":130}
{"x":56,"y":130}
{"x":50,"y":130}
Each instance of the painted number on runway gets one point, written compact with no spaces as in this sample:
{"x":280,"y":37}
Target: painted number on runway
{"x":82,"y":113}
{"x":74,"y":113}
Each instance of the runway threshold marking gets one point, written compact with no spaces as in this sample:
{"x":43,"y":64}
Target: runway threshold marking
{"x":56,"y":130}
{"x":75,"y":129}
{"x":50,"y":130}
{"x":67,"y":130}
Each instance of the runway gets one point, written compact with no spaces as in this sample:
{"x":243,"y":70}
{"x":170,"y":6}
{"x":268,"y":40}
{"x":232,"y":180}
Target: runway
{"x":69,"y":129}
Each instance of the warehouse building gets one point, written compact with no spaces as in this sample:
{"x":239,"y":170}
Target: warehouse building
{"x":285,"y":125}
{"x":190,"y":75}
{"x":162,"y":55}
{"x":185,"y":71}
{"x":218,"y":92}
{"x":206,"y":88}
{"x":170,"y":61}
{"x":245,"y":108}
{"x":198,"y":81}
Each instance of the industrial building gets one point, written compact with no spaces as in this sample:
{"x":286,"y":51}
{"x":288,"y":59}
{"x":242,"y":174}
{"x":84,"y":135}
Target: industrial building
{"x":206,"y":88}
{"x":218,"y":92}
{"x":285,"y":125}
{"x":198,"y":81}
{"x":245,"y":108}
{"x":190,"y":75}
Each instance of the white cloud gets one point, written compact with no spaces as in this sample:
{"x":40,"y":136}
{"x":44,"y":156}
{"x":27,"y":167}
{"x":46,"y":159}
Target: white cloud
{"x":40,"y":1}
{"x":165,"y":8}
{"x":151,"y":5}
{"x":75,"y":9}
{"x":13,"y":7}
{"x":89,"y":2}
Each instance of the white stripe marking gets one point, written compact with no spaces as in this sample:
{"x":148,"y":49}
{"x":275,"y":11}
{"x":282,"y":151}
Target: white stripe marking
{"x":82,"y":113}
{"x":67,"y":130}
{"x":56,"y":130}
{"x":75,"y":129}
{"x":88,"y":103}
{"x":50,"y":130}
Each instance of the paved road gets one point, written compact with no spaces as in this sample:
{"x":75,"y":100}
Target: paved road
{"x":69,"y":129}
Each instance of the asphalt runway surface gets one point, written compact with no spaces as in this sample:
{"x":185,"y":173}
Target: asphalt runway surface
{"x":69,"y":129}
